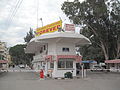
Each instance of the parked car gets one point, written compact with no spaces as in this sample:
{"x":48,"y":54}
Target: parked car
{"x":22,"y":66}
{"x":97,"y":68}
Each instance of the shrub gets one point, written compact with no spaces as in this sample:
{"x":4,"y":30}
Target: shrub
{"x":68,"y":75}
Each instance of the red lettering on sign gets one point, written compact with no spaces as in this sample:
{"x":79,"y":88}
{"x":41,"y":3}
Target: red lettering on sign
{"x":47,"y":30}
{"x":58,"y":26}
{"x":50,"y":29}
{"x":54,"y":28}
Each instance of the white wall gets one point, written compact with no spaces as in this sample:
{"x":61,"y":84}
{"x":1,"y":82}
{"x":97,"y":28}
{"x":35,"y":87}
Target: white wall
{"x":56,"y":48}
{"x":51,"y":48}
{"x":60,"y":46}
{"x":114,"y":69}
{"x":37,"y":65}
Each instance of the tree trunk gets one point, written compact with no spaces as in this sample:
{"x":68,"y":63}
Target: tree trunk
{"x":104,"y":51}
{"x":118,"y":48}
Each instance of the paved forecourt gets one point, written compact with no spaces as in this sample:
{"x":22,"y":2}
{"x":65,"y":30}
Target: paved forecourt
{"x":31,"y":81}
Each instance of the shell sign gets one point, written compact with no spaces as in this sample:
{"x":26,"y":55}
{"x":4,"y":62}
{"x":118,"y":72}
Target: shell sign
{"x":49,"y":28}
{"x":69,"y":27}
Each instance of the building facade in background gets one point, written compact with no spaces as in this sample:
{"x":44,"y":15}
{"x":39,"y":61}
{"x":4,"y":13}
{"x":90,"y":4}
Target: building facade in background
{"x":4,"y":56}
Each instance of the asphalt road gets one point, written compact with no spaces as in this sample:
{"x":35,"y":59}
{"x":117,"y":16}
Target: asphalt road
{"x":31,"y":81}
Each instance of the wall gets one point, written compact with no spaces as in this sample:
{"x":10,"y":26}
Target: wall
{"x":60,"y":46}
{"x":114,"y":68}
{"x":51,"y":48}
{"x":37,"y":66}
{"x":56,"y":48}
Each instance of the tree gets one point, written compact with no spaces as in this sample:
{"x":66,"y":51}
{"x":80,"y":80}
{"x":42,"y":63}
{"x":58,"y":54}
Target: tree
{"x":27,"y":39}
{"x":100,"y":20}
{"x":91,"y":51}
{"x":19,"y":56}
{"x":29,"y":36}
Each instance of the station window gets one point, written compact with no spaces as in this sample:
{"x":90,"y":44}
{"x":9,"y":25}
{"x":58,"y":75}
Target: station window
{"x":65,"y":63}
{"x":61,"y":64}
{"x":69,"y":64}
{"x":52,"y":65}
{"x":41,"y":50}
{"x":44,"y":47}
{"x":65,"y":49}
{"x":113,"y":65}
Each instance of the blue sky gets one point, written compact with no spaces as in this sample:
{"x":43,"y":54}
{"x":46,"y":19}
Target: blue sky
{"x":13,"y":31}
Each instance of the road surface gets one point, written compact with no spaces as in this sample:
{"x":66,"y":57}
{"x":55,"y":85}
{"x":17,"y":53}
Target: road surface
{"x":31,"y":81}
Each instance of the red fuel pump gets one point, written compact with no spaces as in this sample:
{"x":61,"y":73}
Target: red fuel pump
{"x":41,"y":74}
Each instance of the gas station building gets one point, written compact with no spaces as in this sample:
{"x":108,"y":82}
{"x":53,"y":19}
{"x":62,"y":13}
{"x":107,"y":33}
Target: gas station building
{"x":55,"y":52}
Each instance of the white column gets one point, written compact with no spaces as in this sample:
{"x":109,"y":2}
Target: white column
{"x":74,"y":67}
{"x":55,"y":69}
{"x":82,"y":71}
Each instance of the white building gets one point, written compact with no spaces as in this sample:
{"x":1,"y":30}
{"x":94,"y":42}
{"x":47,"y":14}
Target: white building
{"x":55,"y":53}
{"x":3,"y":55}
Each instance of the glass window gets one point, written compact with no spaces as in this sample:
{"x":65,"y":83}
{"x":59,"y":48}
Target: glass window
{"x":41,"y":50}
{"x":52,"y":65}
{"x":69,"y":64}
{"x":61,"y":64}
{"x":65,"y":49}
{"x":65,"y":63}
{"x":44,"y":47}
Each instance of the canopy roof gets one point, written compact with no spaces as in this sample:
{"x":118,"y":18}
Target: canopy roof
{"x":59,"y":37}
{"x":113,"y":61}
{"x":88,"y":61}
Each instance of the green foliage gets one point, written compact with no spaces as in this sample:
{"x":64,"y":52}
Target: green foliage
{"x":101,"y":21}
{"x":68,"y":75}
{"x":1,"y":57}
{"x":29,"y":36}
{"x":92,"y":52}
{"x":19,"y":56}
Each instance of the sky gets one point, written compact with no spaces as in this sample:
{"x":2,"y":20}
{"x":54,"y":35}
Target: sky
{"x":17,"y":16}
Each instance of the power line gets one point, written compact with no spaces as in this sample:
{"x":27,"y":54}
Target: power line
{"x":11,"y":15}
{"x":17,"y":6}
{"x":17,"y":9}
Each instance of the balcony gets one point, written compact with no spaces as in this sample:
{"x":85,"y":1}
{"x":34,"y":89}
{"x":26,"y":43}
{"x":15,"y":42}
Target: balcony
{"x":38,"y":58}
{"x":2,"y":50}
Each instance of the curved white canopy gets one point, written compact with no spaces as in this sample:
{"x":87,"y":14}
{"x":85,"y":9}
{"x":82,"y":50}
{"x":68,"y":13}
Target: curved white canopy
{"x":60,"y":37}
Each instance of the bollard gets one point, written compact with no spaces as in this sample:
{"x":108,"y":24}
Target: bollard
{"x":82,"y":71}
{"x":85,"y":73}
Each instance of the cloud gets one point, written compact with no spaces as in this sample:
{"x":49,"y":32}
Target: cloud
{"x":13,"y":31}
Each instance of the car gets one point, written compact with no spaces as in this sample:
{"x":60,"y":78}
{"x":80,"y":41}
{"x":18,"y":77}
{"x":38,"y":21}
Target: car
{"x":97,"y":68}
{"x":22,"y":66}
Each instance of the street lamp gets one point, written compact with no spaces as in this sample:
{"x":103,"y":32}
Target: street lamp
{"x":41,"y":21}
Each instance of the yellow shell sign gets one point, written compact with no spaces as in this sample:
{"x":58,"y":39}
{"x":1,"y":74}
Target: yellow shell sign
{"x":49,"y":28}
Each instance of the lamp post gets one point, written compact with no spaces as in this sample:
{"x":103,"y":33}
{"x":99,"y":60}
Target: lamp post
{"x":41,"y":21}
